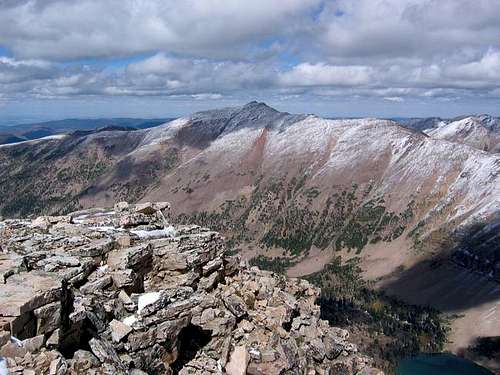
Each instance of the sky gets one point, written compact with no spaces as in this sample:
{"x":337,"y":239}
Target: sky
{"x":167,"y":58}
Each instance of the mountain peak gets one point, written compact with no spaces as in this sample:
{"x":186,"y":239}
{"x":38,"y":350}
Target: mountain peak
{"x":258,"y":105}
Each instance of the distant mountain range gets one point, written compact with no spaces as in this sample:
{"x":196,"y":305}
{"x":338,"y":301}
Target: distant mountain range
{"x":479,"y":131}
{"x":26,"y":132}
{"x":299,"y":190}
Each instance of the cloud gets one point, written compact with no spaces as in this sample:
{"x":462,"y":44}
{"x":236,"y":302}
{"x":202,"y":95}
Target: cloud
{"x":14,"y":71}
{"x":486,"y":69}
{"x":60,"y":29}
{"x":215,"y":49}
{"x":423,"y":29}
{"x":396,"y":99}
{"x":321,"y":74}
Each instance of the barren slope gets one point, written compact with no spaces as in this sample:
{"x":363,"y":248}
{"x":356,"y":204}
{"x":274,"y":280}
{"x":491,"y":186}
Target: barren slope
{"x":274,"y":183}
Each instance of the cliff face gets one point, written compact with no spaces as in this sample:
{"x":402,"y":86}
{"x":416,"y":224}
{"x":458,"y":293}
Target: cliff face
{"x":124,"y":292}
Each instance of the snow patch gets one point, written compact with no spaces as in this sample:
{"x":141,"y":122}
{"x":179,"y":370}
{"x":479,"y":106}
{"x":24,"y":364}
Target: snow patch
{"x":16,"y":341}
{"x":128,"y":321}
{"x":102,"y":269}
{"x":106,"y":228}
{"x":80,"y":219}
{"x":108,"y":213}
{"x":157,"y":233}
{"x":48,"y":138}
{"x":3,"y":367}
{"x":164,"y":132}
{"x":147,"y":299}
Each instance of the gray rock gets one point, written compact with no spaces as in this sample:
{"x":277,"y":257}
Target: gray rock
{"x":33,"y":344}
{"x":119,"y":330}
{"x":121,"y":206}
{"x":53,"y":340}
{"x":4,"y":338}
{"x":48,"y":317}
{"x":13,"y":350}
{"x":105,"y":352}
{"x":144,"y":300}
{"x":97,"y":285}
{"x":236,"y":305}
{"x":145,"y":208}
{"x":83,"y":361}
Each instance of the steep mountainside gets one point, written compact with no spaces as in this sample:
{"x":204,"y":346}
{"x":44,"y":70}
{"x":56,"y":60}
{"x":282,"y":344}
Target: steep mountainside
{"x":294,"y":186}
{"x":284,"y":181}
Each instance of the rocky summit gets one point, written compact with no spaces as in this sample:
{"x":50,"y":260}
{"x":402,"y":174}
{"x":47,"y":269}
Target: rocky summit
{"x":122,"y":291}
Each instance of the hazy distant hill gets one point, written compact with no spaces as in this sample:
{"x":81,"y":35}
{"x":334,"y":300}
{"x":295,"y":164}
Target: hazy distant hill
{"x":420,"y":124}
{"x":24,"y":132}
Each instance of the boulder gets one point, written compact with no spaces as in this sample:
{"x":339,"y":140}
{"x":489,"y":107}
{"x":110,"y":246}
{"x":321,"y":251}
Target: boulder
{"x":238,"y":361}
{"x":53,"y":340}
{"x":13,"y":350}
{"x":4,"y":338}
{"x":236,"y":305}
{"x":106,"y":353}
{"x":119,"y":330}
{"x":48,"y":317}
{"x":145,"y":208}
{"x":121,"y":206}
{"x":98,"y":285}
{"x":83,"y":361}
{"x":33,"y":344}
{"x":42,"y":223}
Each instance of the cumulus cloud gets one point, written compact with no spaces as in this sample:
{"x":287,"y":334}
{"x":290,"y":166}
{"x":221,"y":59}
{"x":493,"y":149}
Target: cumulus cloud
{"x":60,"y":29}
{"x":212,"y":49}
{"x":396,"y":99}
{"x":320,"y":74}
{"x":13,"y":71}
{"x":486,"y":69}
{"x":423,"y":29}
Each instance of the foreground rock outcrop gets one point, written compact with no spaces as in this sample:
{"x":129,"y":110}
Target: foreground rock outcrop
{"x":123,"y":292}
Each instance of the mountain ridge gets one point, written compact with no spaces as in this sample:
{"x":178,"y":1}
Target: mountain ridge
{"x":281,"y":186}
{"x":33,"y":131}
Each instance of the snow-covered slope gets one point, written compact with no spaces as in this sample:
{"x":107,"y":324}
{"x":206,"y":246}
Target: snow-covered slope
{"x":399,"y":161}
{"x":297,"y":186}
{"x":280,"y":180}
{"x":481,"y":132}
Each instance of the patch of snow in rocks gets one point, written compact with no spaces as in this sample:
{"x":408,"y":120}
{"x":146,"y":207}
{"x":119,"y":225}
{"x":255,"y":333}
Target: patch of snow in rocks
{"x":105,"y":213}
{"x":147,"y":299}
{"x":79,"y":219}
{"x":47,"y":138}
{"x":163,"y":132}
{"x":16,"y":341}
{"x":3,"y":367}
{"x":103,"y":269}
{"x":128,"y":321}
{"x":106,"y":228}
{"x":157,"y":233}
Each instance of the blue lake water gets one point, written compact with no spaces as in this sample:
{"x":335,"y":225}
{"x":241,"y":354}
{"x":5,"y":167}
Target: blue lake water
{"x":439,"y":364}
